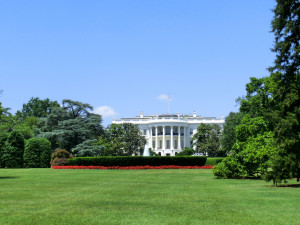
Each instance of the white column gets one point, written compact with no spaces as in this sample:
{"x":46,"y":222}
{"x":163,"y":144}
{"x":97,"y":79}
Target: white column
{"x":150,"y":139}
{"x":164,"y":138}
{"x":172,"y":146}
{"x":156,"y":138}
{"x":179,"y":141}
{"x":184,"y":137}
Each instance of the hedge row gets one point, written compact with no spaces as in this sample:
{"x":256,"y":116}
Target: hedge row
{"x":138,"y":161}
{"x":213,"y":161}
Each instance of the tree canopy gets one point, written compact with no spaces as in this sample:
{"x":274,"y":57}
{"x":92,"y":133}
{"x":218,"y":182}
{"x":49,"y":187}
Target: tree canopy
{"x":70,"y":125}
{"x":270,"y":129}
{"x":228,"y":137}
{"x":207,"y":139}
{"x":37,"y":108}
{"x":123,"y":140}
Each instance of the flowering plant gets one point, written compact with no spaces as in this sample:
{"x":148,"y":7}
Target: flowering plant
{"x":133,"y":167}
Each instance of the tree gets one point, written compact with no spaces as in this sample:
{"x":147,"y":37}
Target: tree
{"x":37,"y":153}
{"x":228,"y":137}
{"x":14,"y":149}
{"x":3,"y":138}
{"x":88,"y":148}
{"x":70,"y":125}
{"x":3,"y":111}
{"x":37,"y":108}
{"x":251,"y":152}
{"x":186,"y":152}
{"x":123,"y":139}
{"x":207,"y":139}
{"x":286,"y":28}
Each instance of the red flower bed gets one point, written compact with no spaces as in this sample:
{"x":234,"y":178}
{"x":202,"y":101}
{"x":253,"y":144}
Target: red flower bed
{"x":132,"y":167}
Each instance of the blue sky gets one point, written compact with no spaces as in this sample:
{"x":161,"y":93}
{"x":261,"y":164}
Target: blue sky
{"x":120,"y":56}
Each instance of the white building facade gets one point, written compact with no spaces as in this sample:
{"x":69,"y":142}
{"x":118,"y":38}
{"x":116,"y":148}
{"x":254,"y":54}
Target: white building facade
{"x":169,"y":134}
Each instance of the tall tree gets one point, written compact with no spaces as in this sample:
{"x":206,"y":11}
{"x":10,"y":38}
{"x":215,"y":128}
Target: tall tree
{"x":228,"y":137}
{"x":286,"y":28}
{"x":12,"y":156}
{"x":37,"y":108}
{"x":122,"y":139}
{"x":71,"y":124}
{"x":207,"y":139}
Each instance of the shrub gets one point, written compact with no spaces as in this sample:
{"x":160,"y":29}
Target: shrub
{"x":37,"y":153}
{"x":230,"y":167}
{"x":60,"y":162}
{"x":213,"y":161}
{"x":61,"y":154}
{"x":138,"y":161}
{"x":186,"y":151}
{"x":13,"y":150}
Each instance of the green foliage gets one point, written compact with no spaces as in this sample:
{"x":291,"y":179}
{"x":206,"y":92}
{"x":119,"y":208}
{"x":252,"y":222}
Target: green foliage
{"x":250,"y":127}
{"x":59,"y":157}
{"x":37,"y":153}
{"x":12,"y":156}
{"x":3,"y":138}
{"x":207,"y":139}
{"x":259,"y":99}
{"x":37,"y":108}
{"x":70,"y":125}
{"x":228,"y":137}
{"x":213,"y":161}
{"x":286,"y":75}
{"x":9,"y":123}
{"x":230,"y":167}
{"x":249,"y":158}
{"x":186,"y":151}
{"x":88,"y":148}
{"x":122,"y":140}
{"x":138,"y":161}
{"x":3,"y":112}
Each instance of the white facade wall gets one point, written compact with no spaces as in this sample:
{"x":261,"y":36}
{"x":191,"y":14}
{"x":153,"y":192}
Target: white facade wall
{"x":158,"y":130}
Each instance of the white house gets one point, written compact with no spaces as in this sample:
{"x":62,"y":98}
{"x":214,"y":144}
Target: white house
{"x":169,"y":134}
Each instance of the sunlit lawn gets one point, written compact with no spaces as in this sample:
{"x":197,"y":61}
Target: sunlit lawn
{"x":46,"y":196}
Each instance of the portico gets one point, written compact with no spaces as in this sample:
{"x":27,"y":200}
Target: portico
{"x":169,"y":134}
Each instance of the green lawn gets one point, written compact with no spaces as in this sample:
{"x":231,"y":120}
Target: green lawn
{"x":46,"y":196}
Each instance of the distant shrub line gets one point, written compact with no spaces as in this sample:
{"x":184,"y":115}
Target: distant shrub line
{"x":123,"y":161}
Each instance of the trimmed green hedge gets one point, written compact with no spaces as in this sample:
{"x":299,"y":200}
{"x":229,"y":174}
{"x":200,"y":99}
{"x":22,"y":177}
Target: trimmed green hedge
{"x":213,"y":161}
{"x":138,"y":161}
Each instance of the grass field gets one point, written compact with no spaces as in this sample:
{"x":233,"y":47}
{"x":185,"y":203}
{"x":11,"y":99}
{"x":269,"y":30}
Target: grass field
{"x":46,"y":196}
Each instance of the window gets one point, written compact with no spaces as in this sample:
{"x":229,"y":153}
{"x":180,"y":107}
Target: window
{"x":145,"y":131}
{"x":153,"y":144}
{"x":168,"y":144}
{"x":168,"y":130}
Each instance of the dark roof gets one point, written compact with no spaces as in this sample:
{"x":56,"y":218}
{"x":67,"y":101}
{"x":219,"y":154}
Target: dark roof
{"x":168,"y":115}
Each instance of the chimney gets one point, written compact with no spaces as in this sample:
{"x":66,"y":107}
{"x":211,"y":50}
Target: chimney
{"x":142,"y":115}
{"x":194,"y":114}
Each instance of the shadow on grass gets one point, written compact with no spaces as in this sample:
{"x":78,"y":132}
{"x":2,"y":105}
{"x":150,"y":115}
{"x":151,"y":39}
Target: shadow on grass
{"x":289,"y":186}
{"x":8,"y":178}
